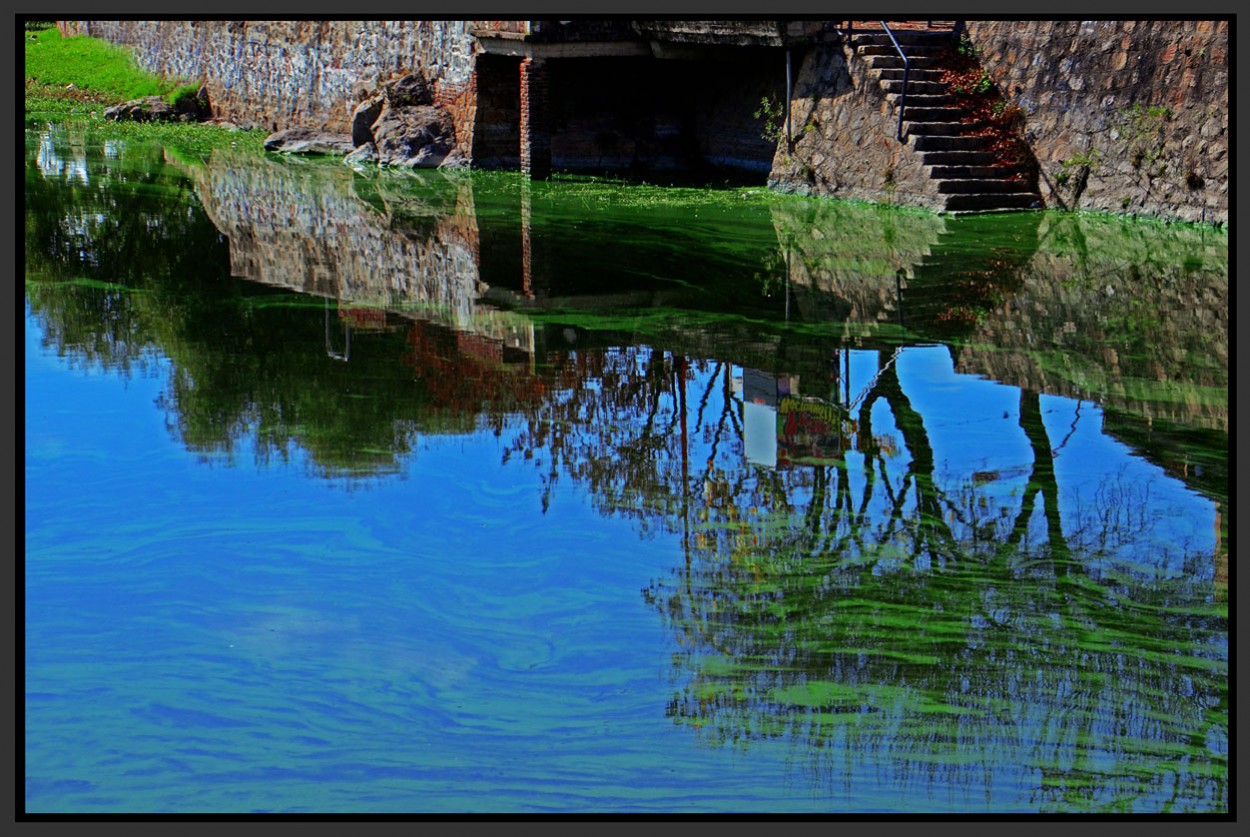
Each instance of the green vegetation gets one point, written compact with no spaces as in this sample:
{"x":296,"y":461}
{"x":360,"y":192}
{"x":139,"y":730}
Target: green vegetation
{"x":85,"y":69}
{"x":1074,"y":172}
{"x":1142,"y":128}
{"x":773,"y":112}
{"x":72,"y":80}
{"x":182,"y":93}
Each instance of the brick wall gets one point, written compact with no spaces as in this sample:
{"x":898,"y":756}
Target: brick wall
{"x":497,"y":120}
{"x":535,"y":124}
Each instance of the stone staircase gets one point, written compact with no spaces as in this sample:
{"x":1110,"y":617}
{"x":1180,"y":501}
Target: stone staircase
{"x":965,"y":171}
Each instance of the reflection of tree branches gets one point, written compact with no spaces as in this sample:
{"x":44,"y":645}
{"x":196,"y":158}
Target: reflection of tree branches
{"x":604,"y":426}
{"x":934,"y":536}
{"x":1041,"y":480}
{"x":800,"y":634}
{"x":707,"y":393}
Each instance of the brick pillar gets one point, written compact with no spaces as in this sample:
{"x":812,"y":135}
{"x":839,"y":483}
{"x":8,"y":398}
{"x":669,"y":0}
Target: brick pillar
{"x":535,"y":125}
{"x":527,"y":242}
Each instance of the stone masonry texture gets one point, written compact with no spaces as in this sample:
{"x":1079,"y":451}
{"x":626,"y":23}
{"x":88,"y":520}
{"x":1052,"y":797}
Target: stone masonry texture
{"x":1127,"y":116}
{"x":282,"y":74}
{"x":1145,"y":101}
{"x":1122,"y":116}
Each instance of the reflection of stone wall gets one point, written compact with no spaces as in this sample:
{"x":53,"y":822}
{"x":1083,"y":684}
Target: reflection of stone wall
{"x":306,"y":228}
{"x":851,"y":253}
{"x":1078,"y":82}
{"x":1132,"y":317}
{"x":300,"y":72}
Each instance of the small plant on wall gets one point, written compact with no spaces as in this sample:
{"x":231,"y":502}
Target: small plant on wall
{"x":773,"y":112}
{"x":1074,"y":172}
{"x":984,"y":106}
{"x":1142,"y":129}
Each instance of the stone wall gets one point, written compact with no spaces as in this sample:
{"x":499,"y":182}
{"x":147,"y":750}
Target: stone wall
{"x":280,"y":74}
{"x":1147,"y":100}
{"x":1122,"y":116}
{"x":845,"y":136}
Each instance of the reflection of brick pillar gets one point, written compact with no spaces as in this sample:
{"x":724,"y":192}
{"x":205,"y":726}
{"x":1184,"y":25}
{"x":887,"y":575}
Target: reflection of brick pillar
{"x":527,"y":242}
{"x":535,"y":126}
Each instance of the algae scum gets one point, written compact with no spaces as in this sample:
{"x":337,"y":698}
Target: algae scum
{"x":367,"y":492}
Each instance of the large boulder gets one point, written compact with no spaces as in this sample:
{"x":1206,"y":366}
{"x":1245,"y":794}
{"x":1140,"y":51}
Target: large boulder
{"x":309,"y":141}
{"x":147,"y":109}
{"x":408,"y":90}
{"x":363,"y":117}
{"x":418,"y":136}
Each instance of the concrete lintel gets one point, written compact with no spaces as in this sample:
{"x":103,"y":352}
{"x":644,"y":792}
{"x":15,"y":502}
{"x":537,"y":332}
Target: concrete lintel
{"x":495,"y":45}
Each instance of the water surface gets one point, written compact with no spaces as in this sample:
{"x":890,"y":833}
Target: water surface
{"x":359,"y":492}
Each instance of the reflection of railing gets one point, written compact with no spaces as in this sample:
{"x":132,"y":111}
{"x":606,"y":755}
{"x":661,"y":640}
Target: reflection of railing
{"x":872,"y":384}
{"x":346,"y":354}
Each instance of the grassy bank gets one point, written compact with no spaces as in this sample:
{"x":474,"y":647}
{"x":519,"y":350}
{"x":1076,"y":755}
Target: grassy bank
{"x":72,"y":80}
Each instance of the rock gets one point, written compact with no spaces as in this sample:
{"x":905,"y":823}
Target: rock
{"x":364,"y":155}
{"x":408,"y":90}
{"x":363,"y":117}
{"x":155,"y":109}
{"x":309,"y":141}
{"x":454,"y":160}
{"x":147,"y":109}
{"x":419,"y":136}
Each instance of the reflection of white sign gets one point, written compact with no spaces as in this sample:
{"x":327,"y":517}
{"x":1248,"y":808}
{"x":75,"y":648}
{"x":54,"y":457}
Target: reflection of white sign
{"x":759,"y":429}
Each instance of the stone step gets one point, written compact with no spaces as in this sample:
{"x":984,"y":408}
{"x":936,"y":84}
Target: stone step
{"x":939,"y":143}
{"x":983,"y":172}
{"x":957,"y":158}
{"x":934,"y":129}
{"x":908,"y":49}
{"x":983,"y":186}
{"x":905,"y":37}
{"x":915,"y":88}
{"x":894,"y":62}
{"x":921,"y":74}
{"x":992,"y":202}
{"x":917,"y":112}
{"x":922,"y":100}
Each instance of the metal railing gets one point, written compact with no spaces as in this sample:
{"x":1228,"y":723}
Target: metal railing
{"x":902,"y":100}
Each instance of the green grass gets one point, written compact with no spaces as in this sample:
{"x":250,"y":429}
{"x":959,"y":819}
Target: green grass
{"x":72,"y":81}
{"x":95,"y":69}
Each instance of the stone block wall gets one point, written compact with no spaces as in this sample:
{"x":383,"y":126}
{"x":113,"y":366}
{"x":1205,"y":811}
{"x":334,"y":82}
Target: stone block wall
{"x":845,"y":136}
{"x":1123,"y":116}
{"x":1145,"y":102}
{"x":280,"y":74}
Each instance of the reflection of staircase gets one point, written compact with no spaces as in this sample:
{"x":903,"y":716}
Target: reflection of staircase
{"x":964,"y":168}
{"x":975,"y":264}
